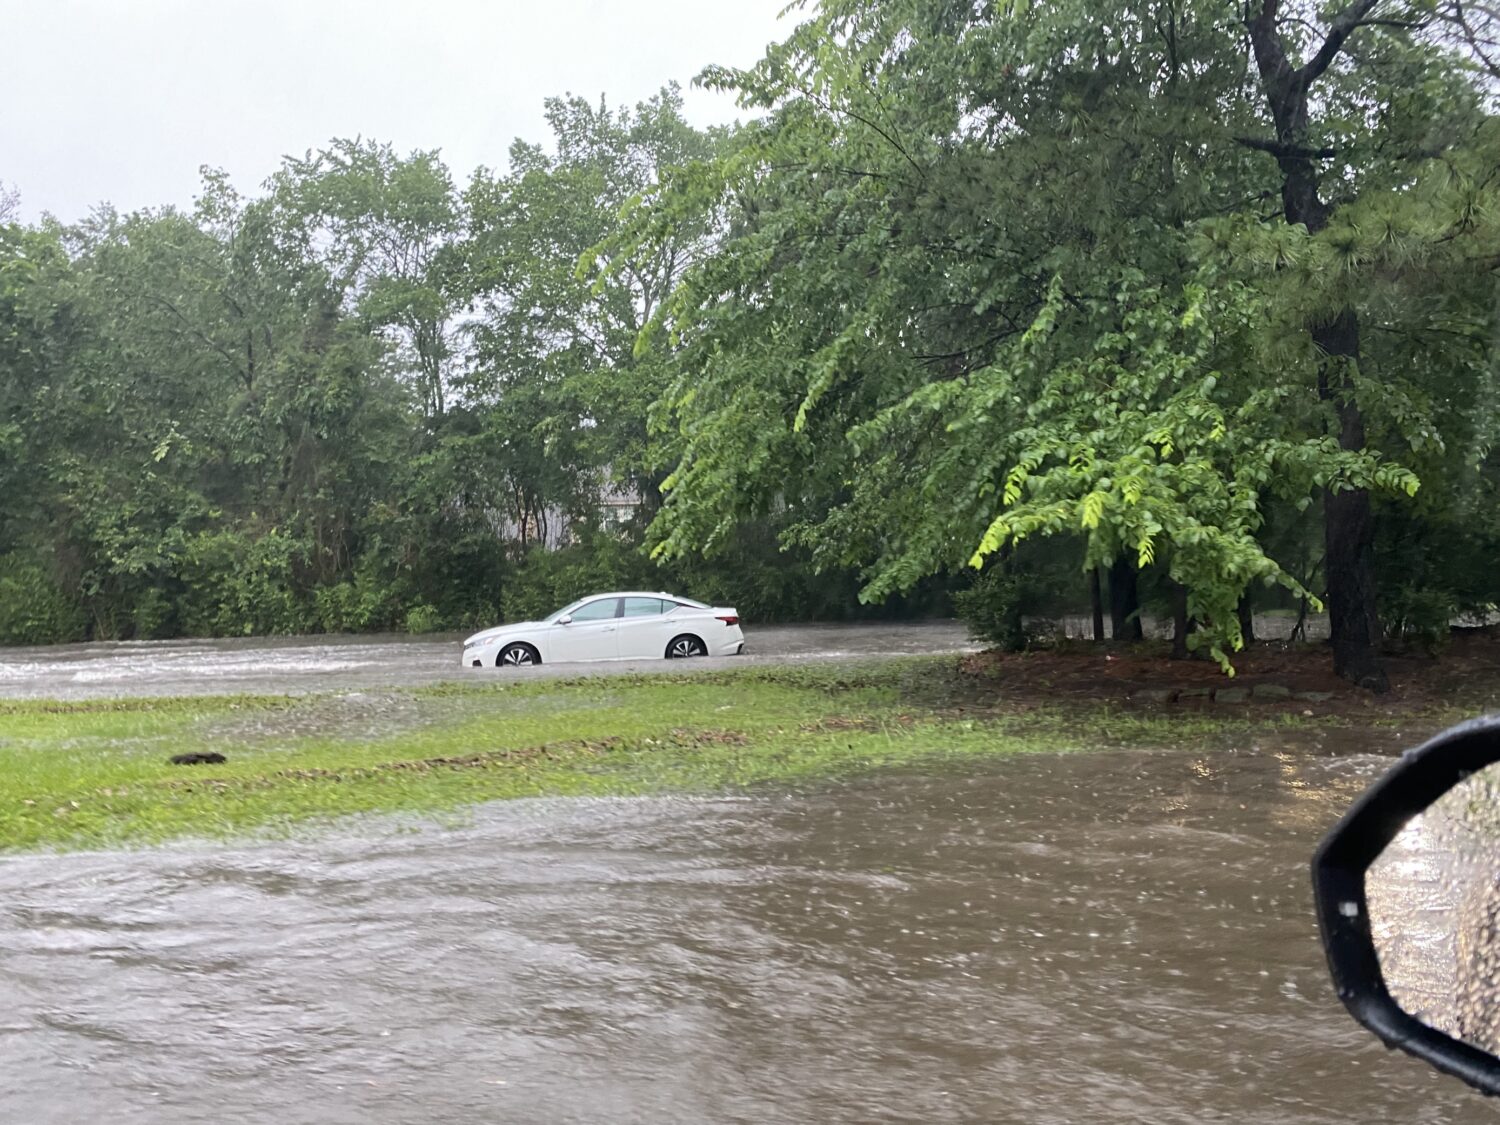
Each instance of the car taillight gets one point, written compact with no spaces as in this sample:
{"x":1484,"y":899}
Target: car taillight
{"x":729,"y":619}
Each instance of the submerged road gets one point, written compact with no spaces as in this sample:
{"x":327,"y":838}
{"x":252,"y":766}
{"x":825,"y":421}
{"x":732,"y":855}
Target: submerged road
{"x":297,"y":665}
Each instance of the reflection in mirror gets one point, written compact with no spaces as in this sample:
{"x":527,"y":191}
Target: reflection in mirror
{"x":1434,"y":902}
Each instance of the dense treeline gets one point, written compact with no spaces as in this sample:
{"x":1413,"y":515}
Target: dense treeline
{"x":364,"y":399}
{"x":1183,"y":303}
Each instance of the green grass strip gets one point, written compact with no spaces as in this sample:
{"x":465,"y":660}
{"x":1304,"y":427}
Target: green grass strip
{"x":96,"y":774}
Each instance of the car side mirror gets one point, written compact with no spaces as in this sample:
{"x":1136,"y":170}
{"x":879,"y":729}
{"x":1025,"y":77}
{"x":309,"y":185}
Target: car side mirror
{"x":1408,"y":898}
{"x":565,"y":619}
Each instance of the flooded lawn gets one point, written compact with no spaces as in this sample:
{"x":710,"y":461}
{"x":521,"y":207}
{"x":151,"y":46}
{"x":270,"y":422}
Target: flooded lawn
{"x":1117,"y":936}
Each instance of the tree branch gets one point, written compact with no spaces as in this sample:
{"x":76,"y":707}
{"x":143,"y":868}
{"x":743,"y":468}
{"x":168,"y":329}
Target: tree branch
{"x":1280,"y":150}
{"x":825,"y":104}
{"x":1265,"y":41}
{"x":1479,"y":45}
{"x":967,"y":368}
{"x":1399,"y":25}
{"x":1342,"y":27}
{"x":202,"y":337}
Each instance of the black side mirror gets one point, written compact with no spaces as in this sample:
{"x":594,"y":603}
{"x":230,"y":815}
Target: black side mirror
{"x":1408,"y":897}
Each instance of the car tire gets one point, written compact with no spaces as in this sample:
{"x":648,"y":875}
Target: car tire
{"x":686,"y":646}
{"x":517,"y":655}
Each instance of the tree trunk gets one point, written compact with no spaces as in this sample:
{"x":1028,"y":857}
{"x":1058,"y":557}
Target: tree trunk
{"x":1096,"y":602}
{"x":1247,"y":619}
{"x":1347,"y":524}
{"x":1181,"y":624}
{"x":1124,"y":602}
{"x":1348,"y":527}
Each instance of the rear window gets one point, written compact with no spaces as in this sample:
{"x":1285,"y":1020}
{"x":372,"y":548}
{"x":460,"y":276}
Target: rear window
{"x":646,"y":607}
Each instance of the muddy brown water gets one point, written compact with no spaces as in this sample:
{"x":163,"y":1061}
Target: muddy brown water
{"x":1117,"y":936}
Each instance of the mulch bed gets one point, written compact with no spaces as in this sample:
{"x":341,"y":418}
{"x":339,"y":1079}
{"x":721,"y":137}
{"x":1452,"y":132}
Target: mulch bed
{"x":1467,"y":670}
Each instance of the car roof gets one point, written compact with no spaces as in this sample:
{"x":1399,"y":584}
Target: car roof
{"x":646,"y":594}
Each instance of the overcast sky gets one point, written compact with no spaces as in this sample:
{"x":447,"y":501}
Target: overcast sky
{"x":123,"y":100}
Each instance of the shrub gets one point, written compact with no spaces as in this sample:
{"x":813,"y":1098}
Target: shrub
{"x":993,"y":607}
{"x":152,"y":615}
{"x":423,"y":619}
{"x":239,"y":584}
{"x":370,"y":601}
{"x":34,"y":610}
{"x":1416,"y":617}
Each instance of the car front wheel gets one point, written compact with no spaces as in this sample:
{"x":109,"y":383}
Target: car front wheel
{"x":516,"y":655}
{"x":685,"y":646}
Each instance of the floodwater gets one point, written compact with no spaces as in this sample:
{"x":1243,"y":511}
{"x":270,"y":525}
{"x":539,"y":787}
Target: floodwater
{"x":294,"y":665}
{"x":1118,"y":936}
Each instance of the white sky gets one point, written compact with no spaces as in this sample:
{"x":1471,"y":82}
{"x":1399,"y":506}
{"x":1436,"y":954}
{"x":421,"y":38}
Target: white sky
{"x":123,"y":100}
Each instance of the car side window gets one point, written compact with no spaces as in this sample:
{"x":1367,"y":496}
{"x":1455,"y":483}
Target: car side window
{"x":597,"y":611}
{"x":643,"y":607}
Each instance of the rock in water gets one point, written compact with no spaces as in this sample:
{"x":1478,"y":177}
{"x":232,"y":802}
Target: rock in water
{"x":198,"y":758}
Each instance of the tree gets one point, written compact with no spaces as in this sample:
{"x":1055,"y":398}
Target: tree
{"x":383,"y":226}
{"x":42,"y":328}
{"x":1289,"y":90}
{"x":987,"y":281}
{"x":562,"y":397}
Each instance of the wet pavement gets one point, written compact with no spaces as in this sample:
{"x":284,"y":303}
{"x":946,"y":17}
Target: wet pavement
{"x":294,"y":665}
{"x":1120,"y":936}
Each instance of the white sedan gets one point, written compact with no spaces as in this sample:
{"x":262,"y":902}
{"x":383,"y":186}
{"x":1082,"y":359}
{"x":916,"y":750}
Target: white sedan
{"x":623,"y":626}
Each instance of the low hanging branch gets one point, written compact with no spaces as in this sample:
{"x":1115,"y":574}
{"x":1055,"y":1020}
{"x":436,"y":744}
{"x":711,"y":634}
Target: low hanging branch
{"x":1280,"y":150}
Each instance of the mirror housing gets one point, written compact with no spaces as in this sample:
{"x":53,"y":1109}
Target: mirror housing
{"x":1419,"y":779}
{"x":565,"y":619}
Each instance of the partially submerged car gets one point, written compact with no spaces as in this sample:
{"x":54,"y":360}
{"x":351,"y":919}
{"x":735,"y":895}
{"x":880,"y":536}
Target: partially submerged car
{"x":630,"y":625}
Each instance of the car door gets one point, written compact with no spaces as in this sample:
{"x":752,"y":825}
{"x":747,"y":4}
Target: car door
{"x":644,"y":629}
{"x":592,"y":634}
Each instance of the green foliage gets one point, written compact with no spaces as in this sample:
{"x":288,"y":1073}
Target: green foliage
{"x":996,"y":273}
{"x":755,"y":575}
{"x":152,"y":614}
{"x":993,"y":606}
{"x":544,"y":580}
{"x":369,"y":601}
{"x":33,"y":609}
{"x":1437,"y":561}
{"x":557,"y":391}
{"x":423,"y":619}
{"x":239,"y":585}
{"x":384,"y":227}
